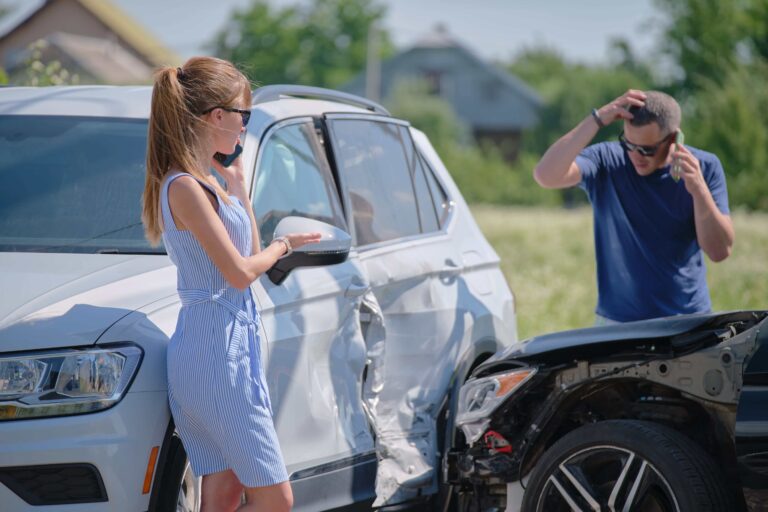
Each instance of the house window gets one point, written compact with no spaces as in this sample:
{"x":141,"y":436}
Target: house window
{"x":434,"y":81}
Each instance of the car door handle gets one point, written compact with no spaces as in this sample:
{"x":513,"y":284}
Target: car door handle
{"x":451,"y":269}
{"x":356,"y":289}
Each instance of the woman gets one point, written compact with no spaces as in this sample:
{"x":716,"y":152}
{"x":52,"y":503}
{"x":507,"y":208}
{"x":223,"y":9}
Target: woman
{"x":216,"y":385}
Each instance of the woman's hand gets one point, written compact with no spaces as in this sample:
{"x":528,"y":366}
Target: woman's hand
{"x":234,"y":174}
{"x":297,"y":240}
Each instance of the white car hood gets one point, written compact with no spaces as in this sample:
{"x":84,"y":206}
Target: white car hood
{"x":56,"y":300}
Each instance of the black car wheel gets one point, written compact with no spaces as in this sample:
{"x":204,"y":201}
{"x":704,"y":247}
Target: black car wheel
{"x":625,"y":465}
{"x":178,"y":489}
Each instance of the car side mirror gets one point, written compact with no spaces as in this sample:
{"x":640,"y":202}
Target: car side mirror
{"x":332,"y":248}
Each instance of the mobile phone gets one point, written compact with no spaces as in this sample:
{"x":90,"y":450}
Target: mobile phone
{"x":679,"y":140}
{"x":226,"y":160}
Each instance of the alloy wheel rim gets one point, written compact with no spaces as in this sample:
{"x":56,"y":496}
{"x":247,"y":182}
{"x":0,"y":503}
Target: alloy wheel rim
{"x":188,"y":499}
{"x":607,"y":478}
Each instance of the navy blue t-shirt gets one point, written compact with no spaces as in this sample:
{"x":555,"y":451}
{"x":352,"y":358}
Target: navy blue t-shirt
{"x":649,"y":263}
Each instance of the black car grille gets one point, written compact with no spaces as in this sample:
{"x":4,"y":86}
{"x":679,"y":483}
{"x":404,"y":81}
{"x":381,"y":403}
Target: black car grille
{"x":55,"y":484}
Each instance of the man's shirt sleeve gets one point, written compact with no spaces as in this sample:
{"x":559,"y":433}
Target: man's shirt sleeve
{"x":589,"y":162}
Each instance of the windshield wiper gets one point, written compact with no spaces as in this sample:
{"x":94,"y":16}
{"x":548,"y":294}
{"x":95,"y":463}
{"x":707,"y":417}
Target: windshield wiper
{"x":100,"y":235}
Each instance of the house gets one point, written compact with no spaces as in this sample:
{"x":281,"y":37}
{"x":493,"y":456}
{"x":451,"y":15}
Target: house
{"x":495,"y":105}
{"x":91,"y":38}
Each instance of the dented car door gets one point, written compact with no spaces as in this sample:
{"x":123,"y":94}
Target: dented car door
{"x":311,"y":320}
{"x":415,"y":275}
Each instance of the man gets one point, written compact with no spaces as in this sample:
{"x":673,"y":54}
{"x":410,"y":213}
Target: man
{"x":650,"y":229}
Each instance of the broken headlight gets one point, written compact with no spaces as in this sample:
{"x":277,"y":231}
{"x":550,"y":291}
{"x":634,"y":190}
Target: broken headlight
{"x":478,"y":398}
{"x":64,"y":382}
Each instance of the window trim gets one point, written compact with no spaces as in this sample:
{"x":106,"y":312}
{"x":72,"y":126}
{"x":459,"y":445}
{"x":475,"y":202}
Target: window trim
{"x":366,"y":117}
{"x":347,"y":208}
{"x":444,"y":217}
{"x":450,"y":211}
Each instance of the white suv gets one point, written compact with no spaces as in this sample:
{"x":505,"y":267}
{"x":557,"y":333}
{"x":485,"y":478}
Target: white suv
{"x":364,"y":352}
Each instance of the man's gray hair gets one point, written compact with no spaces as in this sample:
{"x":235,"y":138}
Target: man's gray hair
{"x":659,"y":108}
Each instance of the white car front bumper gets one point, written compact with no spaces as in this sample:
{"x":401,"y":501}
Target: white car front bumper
{"x":117,"y":442}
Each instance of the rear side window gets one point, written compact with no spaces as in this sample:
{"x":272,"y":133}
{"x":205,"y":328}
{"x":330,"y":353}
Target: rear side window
{"x":293,"y":178}
{"x":439,"y":197}
{"x":427,"y":211}
{"x":373,"y":162}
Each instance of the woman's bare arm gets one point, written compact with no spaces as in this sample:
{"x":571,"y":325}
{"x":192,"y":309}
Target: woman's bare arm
{"x":190,"y":205}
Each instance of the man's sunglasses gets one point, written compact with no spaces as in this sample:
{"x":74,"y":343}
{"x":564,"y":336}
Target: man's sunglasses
{"x":643,"y":150}
{"x":246,"y":114}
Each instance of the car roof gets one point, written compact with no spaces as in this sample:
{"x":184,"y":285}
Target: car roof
{"x":97,"y":101}
{"x":134,"y":102}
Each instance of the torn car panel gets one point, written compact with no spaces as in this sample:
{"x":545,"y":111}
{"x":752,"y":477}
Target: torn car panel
{"x":689,"y":374}
{"x":436,"y":297}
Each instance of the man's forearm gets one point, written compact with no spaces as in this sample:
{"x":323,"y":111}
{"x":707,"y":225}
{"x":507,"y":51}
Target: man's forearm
{"x":714,"y":229}
{"x":552,"y":170}
{"x":556,"y":168}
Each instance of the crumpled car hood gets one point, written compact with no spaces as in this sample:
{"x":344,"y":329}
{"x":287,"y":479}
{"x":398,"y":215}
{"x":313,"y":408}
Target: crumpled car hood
{"x":607,"y":340}
{"x":55,"y":300}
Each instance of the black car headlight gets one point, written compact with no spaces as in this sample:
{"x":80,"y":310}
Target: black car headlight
{"x":478,"y":398}
{"x":65,"y":381}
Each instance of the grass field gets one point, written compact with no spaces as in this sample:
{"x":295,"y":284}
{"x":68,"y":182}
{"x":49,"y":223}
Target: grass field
{"x":547,"y":256}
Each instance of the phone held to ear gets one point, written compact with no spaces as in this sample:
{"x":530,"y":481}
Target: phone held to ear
{"x":226,"y":160}
{"x":679,"y":140}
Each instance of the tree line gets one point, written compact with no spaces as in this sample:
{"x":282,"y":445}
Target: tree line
{"x":712,"y":55}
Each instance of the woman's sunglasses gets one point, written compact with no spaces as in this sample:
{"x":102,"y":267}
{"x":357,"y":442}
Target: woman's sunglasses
{"x":643,"y":150}
{"x":246,"y":114}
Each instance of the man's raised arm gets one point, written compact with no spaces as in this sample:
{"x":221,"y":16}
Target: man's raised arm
{"x":557,"y":167}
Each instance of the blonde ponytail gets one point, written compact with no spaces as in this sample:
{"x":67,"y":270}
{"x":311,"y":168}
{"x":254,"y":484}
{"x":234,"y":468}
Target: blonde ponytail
{"x":176,"y":132}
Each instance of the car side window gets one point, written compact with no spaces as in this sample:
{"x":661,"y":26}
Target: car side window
{"x":373,"y":164}
{"x":440,"y":198}
{"x":293,"y":177}
{"x":424,"y":199}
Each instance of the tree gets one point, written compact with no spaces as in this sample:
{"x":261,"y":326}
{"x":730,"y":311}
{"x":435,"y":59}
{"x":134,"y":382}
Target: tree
{"x":571,"y":90}
{"x":39,"y":72}
{"x":721,"y":49}
{"x":725,"y":120}
{"x":709,"y":38}
{"x":411,"y":100}
{"x":480,"y":172}
{"x":3,"y":76}
{"x":323,"y":44}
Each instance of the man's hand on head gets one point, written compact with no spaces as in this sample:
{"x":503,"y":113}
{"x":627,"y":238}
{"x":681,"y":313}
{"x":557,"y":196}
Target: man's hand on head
{"x":619,"y":108}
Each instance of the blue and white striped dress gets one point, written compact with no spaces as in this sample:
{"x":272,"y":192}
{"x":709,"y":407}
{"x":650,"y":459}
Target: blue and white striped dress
{"x":216,"y":385}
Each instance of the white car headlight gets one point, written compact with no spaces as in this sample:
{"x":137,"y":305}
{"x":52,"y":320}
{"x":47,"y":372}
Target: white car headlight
{"x":478,"y":398}
{"x":63,"y":382}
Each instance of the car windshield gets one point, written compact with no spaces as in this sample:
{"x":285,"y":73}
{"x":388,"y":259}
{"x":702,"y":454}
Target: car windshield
{"x":72,"y":184}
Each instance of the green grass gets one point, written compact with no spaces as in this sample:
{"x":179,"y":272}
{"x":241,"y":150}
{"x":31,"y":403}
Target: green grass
{"x":547,"y":256}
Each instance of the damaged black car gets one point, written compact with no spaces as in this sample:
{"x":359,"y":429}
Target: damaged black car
{"x":668,"y":414}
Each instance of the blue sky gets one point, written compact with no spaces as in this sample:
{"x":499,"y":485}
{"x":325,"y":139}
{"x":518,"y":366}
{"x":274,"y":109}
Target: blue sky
{"x":495,"y":29}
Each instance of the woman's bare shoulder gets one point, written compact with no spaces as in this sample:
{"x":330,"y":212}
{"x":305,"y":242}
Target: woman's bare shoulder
{"x":187,"y":196}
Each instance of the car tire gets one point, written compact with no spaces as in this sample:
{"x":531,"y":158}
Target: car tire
{"x":629,"y":465}
{"x":179,"y":488}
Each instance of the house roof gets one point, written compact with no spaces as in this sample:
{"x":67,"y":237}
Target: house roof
{"x":132,"y":32}
{"x":101,"y":58}
{"x":512,"y":104}
{"x":117,"y":21}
